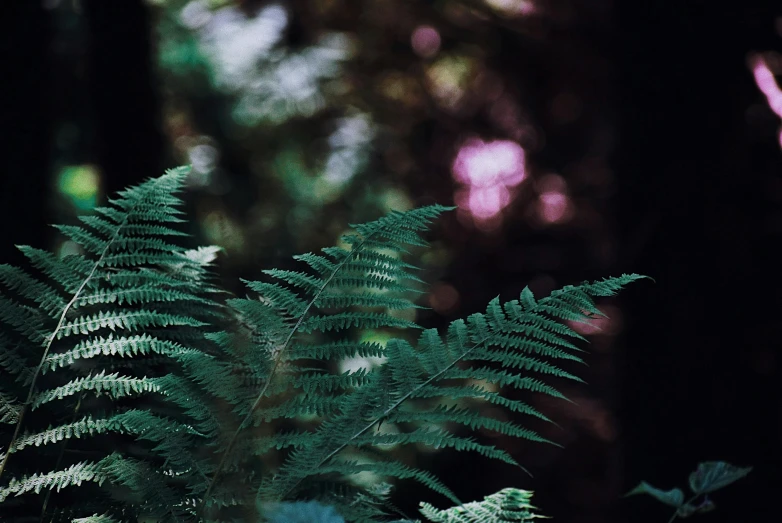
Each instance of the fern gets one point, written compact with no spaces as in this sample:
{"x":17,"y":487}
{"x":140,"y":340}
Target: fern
{"x":509,"y":505}
{"x":125,"y":370}
{"x":131,"y":294}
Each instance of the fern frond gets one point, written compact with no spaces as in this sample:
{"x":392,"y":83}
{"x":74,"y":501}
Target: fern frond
{"x":132,"y":320}
{"x":9,"y":409}
{"x":509,"y":505}
{"x":123,"y":319}
{"x":403,"y":389}
{"x":114,"y":385}
{"x":97,"y":518}
{"x":73,"y":475}
{"x":370,"y":266}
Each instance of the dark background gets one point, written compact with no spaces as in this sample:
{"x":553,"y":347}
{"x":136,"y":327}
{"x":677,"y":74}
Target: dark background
{"x":695,"y":202}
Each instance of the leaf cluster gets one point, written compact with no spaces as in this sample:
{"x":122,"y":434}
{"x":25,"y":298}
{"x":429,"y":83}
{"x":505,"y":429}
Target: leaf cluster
{"x":134,"y":384}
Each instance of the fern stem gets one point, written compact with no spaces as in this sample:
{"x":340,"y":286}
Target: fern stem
{"x":277,"y":361}
{"x":676,"y":512}
{"x":59,"y":458}
{"x":53,"y":335}
{"x":389,"y":410}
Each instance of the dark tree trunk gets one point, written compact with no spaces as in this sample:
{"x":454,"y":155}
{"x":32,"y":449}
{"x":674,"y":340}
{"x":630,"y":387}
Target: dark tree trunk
{"x":25,"y":127}
{"x":129,"y":140}
{"x":702,"y":369}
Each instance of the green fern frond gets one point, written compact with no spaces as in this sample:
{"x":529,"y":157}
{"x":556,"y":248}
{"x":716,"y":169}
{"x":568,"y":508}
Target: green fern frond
{"x":9,"y":410}
{"x":73,"y":475}
{"x":282,"y":314}
{"x":125,"y":344}
{"x":494,"y":347}
{"x":509,"y":505}
{"x":124,"y":319}
{"x":114,"y":385}
{"x":97,"y":518}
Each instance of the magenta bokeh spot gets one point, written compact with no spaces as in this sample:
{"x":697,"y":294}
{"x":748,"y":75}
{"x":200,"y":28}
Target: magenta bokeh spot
{"x":425,"y":41}
{"x":553,"y":206}
{"x":767,"y":84}
{"x":488,"y":170}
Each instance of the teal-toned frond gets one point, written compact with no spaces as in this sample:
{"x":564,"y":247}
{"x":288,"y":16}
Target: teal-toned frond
{"x":185,"y":394}
{"x":173,"y":441}
{"x":522,"y":362}
{"x":320,"y":382}
{"x":306,"y":282}
{"x":330,"y":299}
{"x":281,"y":298}
{"x":74,"y":475}
{"x":346,"y":320}
{"x":84,"y":426}
{"x":113,"y":385}
{"x":148,"y":293}
{"x":128,"y":320}
{"x":123,"y":346}
{"x":478,"y":393}
{"x":498,"y":348}
{"x":502,"y":378}
{"x":467,"y":417}
{"x":406,"y":371}
{"x":9,"y":409}
{"x":24,"y":320}
{"x":510,"y":505}
{"x":13,"y":365}
{"x":215,"y":376}
{"x":390,"y":469}
{"x":436,"y":439}
{"x":97,"y":518}
{"x":153,"y":495}
{"x":31,"y":289}
{"x":344,"y":300}
{"x":124,"y":318}
{"x":299,"y":405}
{"x":334,"y":351}
{"x":401,"y":228}
{"x":281,"y":440}
{"x":69,"y":272}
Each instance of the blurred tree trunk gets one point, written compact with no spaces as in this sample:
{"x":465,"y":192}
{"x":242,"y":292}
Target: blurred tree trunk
{"x":701,"y":376}
{"x":129,"y":140}
{"x":25,"y":126}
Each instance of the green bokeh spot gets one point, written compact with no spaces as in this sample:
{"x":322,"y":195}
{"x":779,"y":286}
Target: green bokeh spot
{"x":79,"y":183}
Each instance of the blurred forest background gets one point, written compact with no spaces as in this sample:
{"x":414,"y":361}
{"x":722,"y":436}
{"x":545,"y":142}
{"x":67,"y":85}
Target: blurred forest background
{"x":579,"y":139}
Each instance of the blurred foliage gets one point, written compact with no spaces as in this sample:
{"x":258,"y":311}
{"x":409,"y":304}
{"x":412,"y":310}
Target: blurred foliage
{"x":302,"y":115}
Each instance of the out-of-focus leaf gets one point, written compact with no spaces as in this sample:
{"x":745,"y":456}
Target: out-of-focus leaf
{"x":713,"y":475}
{"x":673,"y":497}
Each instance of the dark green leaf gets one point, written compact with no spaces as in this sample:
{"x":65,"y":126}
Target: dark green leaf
{"x":673,"y":497}
{"x":713,"y":475}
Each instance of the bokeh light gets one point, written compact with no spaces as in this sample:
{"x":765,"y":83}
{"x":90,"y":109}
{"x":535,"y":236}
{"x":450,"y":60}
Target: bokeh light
{"x":554,"y":205}
{"x":487,"y":171}
{"x":764,"y":78}
{"x":512,"y":7}
{"x":80,"y":185}
{"x":425,"y":41}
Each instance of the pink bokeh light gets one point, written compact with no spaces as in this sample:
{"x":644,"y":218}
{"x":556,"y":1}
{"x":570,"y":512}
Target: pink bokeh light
{"x":553,"y":206}
{"x":425,"y":41}
{"x":488,"y":171}
{"x":764,"y":78}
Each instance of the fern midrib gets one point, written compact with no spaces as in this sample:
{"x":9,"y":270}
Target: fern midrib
{"x":277,"y":361}
{"x":53,"y":335}
{"x":401,"y":400}
{"x":388,"y":411}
